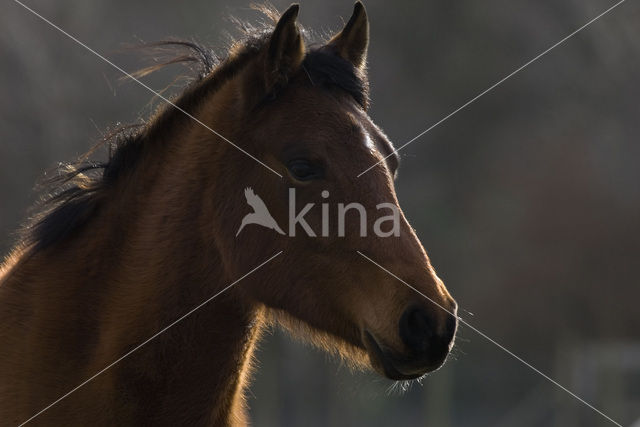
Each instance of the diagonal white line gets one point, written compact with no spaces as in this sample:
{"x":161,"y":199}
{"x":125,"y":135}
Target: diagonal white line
{"x":500,"y":346}
{"x":490,"y":88}
{"x":145,"y":342}
{"x":143,"y":85}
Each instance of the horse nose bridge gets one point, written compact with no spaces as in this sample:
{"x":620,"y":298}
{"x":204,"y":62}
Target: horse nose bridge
{"x":408,"y":260}
{"x":430,"y":286}
{"x":409,"y":245}
{"x":417,"y":267}
{"x":416,"y":279}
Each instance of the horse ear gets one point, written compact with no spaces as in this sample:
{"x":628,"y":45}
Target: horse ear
{"x":285,"y":50}
{"x":280,"y":57}
{"x":352,"y":42}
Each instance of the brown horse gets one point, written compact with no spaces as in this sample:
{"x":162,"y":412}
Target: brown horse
{"x":117,"y":256}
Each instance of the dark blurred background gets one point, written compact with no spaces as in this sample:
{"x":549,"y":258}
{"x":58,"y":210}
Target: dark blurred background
{"x":528,"y":201}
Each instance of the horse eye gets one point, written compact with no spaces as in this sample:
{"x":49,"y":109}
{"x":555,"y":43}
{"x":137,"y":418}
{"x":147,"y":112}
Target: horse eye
{"x":303,"y":170}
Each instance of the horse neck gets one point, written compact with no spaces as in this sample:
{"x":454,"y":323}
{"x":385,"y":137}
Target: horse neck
{"x":143,"y":262}
{"x":196,"y":371}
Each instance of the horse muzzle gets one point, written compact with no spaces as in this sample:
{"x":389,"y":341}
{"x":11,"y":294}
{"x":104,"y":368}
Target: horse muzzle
{"x":427,"y":340}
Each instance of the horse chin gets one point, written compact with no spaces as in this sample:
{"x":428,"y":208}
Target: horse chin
{"x":390,"y":366}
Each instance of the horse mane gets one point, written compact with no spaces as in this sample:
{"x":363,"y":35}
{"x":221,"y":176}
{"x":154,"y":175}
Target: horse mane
{"x":76,"y":192}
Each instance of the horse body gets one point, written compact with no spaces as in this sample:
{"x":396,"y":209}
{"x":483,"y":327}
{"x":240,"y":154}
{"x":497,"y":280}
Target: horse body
{"x":122,"y":256}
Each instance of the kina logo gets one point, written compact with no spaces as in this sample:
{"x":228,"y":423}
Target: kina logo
{"x":260,"y":214}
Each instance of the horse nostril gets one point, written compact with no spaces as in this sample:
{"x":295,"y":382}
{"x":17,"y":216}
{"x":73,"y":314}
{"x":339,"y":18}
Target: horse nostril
{"x":417,"y":328}
{"x":424,"y":333}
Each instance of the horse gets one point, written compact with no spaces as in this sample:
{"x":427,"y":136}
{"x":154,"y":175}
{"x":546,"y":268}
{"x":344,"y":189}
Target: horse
{"x":126,"y":247}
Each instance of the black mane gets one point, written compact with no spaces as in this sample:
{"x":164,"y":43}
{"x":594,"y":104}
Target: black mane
{"x":75,"y":193}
